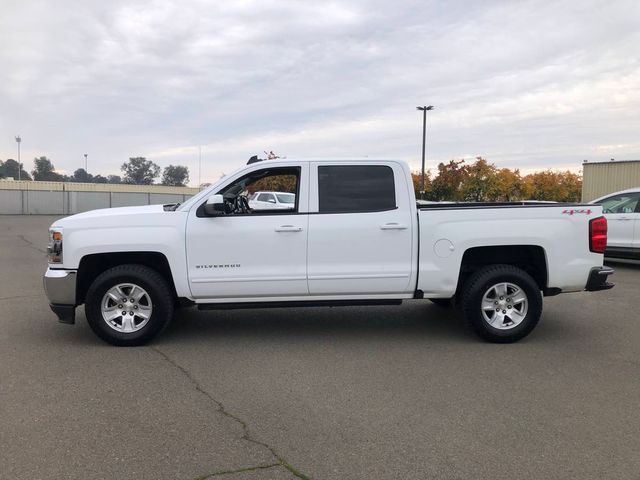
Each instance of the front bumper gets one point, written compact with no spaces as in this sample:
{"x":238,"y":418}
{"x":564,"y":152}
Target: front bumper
{"x":60,"y":287}
{"x":598,"y":279}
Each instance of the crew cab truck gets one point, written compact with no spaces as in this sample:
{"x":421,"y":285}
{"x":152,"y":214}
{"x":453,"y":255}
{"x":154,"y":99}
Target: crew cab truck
{"x":354,"y":236}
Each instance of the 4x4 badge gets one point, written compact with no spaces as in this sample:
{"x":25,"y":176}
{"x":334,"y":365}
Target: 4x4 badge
{"x":572,"y":211}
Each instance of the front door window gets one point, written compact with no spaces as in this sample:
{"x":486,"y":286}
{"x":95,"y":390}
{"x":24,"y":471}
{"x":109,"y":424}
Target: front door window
{"x":258,"y":191}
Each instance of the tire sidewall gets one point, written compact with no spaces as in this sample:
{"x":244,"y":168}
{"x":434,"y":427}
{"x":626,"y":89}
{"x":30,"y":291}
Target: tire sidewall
{"x":160,"y":315}
{"x":485,"y":280}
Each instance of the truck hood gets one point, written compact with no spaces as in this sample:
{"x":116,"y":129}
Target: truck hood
{"x":129,"y":215}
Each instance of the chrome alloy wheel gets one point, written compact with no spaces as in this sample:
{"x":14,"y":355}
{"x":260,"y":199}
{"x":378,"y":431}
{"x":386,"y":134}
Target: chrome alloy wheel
{"x":504,"y":306}
{"x":126,"y":307}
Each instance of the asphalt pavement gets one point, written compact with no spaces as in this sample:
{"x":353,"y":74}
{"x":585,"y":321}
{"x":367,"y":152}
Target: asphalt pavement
{"x":323,"y":393}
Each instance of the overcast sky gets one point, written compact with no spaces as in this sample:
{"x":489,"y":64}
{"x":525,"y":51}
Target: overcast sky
{"x":527,"y":85}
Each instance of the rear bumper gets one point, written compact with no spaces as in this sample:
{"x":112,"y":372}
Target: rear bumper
{"x":598,"y":279}
{"x":60,"y":287}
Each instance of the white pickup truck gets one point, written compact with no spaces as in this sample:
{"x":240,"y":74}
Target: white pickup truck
{"x":354,"y":236}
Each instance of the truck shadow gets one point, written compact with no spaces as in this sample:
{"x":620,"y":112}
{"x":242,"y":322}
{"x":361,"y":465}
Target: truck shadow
{"x":412,"y":319}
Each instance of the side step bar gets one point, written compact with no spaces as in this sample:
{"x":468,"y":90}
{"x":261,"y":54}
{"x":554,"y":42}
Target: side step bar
{"x":297,"y":303}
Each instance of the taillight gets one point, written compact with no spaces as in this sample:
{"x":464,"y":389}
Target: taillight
{"x":598,"y":234}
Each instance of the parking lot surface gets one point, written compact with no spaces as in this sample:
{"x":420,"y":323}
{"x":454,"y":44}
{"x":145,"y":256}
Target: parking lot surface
{"x":323,"y":393}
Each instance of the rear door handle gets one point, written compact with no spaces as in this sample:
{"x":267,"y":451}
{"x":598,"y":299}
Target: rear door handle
{"x":288,"y":228}
{"x":393,"y":226}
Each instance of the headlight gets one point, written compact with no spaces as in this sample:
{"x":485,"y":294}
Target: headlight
{"x":54,"y":248}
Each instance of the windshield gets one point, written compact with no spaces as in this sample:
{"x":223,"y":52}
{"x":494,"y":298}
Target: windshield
{"x":286,"y":197}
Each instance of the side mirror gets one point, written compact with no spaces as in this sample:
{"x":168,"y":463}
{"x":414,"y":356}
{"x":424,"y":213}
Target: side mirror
{"x":214,"y":205}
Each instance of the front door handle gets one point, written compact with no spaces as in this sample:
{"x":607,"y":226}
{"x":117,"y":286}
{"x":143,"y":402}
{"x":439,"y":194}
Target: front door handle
{"x":288,"y":228}
{"x":393,"y":226}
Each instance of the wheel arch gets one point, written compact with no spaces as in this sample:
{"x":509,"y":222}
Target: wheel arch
{"x":94,"y":264}
{"x":530,"y":258}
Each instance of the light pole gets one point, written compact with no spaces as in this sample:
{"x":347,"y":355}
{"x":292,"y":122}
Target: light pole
{"x":424,"y":109}
{"x":18,"y":140}
{"x":85,"y":162}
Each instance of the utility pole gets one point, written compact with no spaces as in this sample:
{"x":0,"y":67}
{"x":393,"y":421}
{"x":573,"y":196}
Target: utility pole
{"x":18,"y":141}
{"x":424,"y":109}
{"x":85,"y":163}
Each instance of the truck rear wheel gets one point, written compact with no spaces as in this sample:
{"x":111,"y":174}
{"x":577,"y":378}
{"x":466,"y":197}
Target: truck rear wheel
{"x":128,"y":305}
{"x":502,"y":303}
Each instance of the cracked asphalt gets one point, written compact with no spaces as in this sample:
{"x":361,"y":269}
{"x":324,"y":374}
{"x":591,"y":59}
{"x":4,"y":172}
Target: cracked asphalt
{"x":322,"y":393}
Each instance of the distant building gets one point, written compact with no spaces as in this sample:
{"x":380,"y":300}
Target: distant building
{"x":601,"y":178}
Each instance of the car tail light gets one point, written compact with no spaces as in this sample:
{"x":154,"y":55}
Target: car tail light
{"x":598,"y":235}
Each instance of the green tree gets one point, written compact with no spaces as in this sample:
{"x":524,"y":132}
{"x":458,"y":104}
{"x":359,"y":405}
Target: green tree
{"x":480,"y":182}
{"x":114,"y":179}
{"x":448,"y":183}
{"x":416,"y":179}
{"x":99,"y":179}
{"x":509,"y":186}
{"x":555,"y":186}
{"x":275,"y":183}
{"x":82,"y":176}
{"x":571,"y":186}
{"x":10,"y":170}
{"x":483,"y":181}
{"x":175,"y":176}
{"x":44,"y":170}
{"x":140,"y":171}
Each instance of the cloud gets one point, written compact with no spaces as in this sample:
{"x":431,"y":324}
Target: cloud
{"x":525,"y":84}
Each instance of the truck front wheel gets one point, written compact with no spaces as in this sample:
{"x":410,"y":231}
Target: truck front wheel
{"x":128,"y":305}
{"x":502,"y":303}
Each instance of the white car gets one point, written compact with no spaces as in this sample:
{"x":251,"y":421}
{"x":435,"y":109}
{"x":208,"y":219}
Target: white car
{"x":622,"y":210}
{"x":355,"y":236}
{"x":272,"y":201}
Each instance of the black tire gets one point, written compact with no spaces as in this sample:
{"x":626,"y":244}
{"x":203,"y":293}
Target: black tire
{"x":158,"y":290}
{"x":442,"y":302}
{"x":480,"y":282}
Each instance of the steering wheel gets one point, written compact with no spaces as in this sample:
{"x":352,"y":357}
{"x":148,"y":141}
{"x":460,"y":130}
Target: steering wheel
{"x":245,"y":204}
{"x":238,"y":205}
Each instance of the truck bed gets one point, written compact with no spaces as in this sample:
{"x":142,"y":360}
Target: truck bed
{"x":558,"y":232}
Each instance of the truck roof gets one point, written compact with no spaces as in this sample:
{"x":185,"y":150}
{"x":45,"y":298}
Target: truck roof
{"x":332,"y":159}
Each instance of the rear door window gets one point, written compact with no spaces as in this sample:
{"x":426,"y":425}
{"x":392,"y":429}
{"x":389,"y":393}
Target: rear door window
{"x":356,"y":188}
